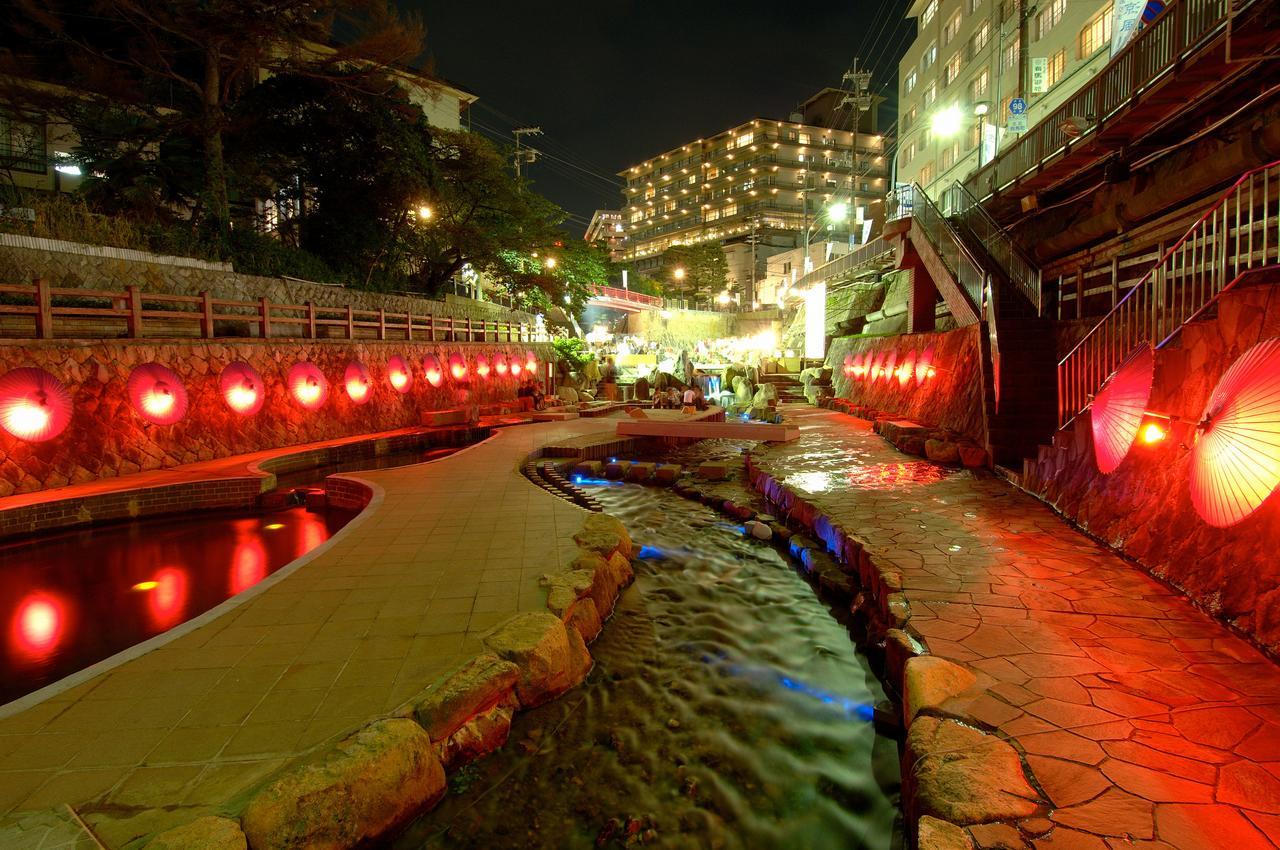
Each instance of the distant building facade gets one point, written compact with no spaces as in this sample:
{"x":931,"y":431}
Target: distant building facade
{"x":971,"y":59}
{"x":606,"y":229}
{"x":760,"y":184}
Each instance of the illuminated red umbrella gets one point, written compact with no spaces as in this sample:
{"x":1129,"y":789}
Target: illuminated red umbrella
{"x":861,"y":363}
{"x":399,"y":374}
{"x":34,"y":406}
{"x":924,"y":365}
{"x":458,"y":368}
{"x":157,"y":394}
{"x":1119,"y":406}
{"x":848,"y":366}
{"x":307,"y":385}
{"x":500,"y":365}
{"x":1235,"y":461}
{"x":907,"y":369}
{"x":482,"y":366}
{"x":433,"y":370}
{"x":357,"y":381}
{"x":886,"y":366}
{"x":516,"y":367}
{"x":242,"y":388}
{"x":530,"y":362}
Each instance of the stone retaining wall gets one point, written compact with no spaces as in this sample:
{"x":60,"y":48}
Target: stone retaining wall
{"x":1144,"y":507}
{"x":107,"y":437}
{"x":951,"y":399}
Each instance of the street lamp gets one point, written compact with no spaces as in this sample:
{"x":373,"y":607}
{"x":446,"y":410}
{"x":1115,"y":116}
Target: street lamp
{"x":678,"y":273}
{"x":551,"y":262}
{"x":423,"y":212}
{"x":980,"y":109}
{"x":838,"y":212}
{"x":947,"y":122}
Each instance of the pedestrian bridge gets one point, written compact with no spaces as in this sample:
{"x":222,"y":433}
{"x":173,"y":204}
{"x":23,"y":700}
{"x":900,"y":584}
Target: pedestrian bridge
{"x":613,"y":298}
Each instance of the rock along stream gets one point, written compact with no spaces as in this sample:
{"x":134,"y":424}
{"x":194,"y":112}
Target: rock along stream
{"x":728,"y":708}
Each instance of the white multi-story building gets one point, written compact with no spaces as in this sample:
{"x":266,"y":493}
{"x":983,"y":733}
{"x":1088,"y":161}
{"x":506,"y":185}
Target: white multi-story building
{"x":970,"y":59}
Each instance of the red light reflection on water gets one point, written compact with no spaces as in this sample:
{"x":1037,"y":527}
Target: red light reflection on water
{"x":889,"y":476}
{"x":39,"y":624}
{"x":248,"y":565}
{"x":167,"y":601}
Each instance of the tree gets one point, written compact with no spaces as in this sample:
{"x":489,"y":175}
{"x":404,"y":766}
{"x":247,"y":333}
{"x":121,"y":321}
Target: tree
{"x":183,"y":63}
{"x":705,"y":269}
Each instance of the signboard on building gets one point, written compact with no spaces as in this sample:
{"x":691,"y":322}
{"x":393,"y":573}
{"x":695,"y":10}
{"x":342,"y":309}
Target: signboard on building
{"x":1125,"y":17}
{"x":1016,"y":120}
{"x":815,"y":322}
{"x":1039,"y":75}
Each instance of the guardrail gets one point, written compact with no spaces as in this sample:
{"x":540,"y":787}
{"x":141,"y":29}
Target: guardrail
{"x":627,"y":295}
{"x":134,"y":311}
{"x":862,"y":255}
{"x":1239,"y":234}
{"x":959,"y":203}
{"x":964,"y":267}
{"x":1154,"y":52}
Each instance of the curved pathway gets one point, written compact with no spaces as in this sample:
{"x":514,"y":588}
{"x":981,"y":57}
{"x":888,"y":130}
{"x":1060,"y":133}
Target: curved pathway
{"x":1145,"y":722}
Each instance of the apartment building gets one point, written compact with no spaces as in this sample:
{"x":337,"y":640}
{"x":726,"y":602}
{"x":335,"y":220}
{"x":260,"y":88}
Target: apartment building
{"x":970,"y":59}
{"x":762,"y":183}
{"x":606,"y":229}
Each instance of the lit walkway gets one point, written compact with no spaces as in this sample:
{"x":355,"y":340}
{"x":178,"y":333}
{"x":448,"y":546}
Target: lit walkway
{"x":392,"y":602}
{"x":1138,"y":714}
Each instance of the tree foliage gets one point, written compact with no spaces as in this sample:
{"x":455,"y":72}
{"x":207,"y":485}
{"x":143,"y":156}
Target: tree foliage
{"x":706,"y":270}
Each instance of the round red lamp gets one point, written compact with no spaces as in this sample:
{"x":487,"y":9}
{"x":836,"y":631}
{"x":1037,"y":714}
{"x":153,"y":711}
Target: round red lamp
{"x":356,"y":380}
{"x":34,"y":406}
{"x":157,"y":394}
{"x":458,"y":368}
{"x":433,"y":370}
{"x":242,"y":388}
{"x":1118,"y":408}
{"x":399,"y":375}
{"x":307,"y":385}
{"x":530,"y":362}
{"x":482,"y":366}
{"x":500,"y":365}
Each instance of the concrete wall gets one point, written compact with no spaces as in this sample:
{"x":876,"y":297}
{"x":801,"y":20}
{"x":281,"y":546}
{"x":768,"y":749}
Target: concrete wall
{"x":107,"y":438}
{"x":684,"y":328}
{"x":952,"y":399}
{"x":1144,"y":507}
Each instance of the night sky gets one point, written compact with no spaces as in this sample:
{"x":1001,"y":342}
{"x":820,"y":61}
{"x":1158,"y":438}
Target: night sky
{"x":612,"y":83}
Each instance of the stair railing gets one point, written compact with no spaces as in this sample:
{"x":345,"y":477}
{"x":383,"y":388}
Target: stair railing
{"x":1239,"y":233}
{"x":960,"y":204}
{"x":967,"y":270}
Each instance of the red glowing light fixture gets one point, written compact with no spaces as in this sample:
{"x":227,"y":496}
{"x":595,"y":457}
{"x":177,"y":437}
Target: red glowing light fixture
{"x":434,"y":371}
{"x":242,"y":388}
{"x":157,"y":394}
{"x":906,"y":370}
{"x":847,"y":368}
{"x":458,"y":368}
{"x":1119,"y":407}
{"x":34,"y":406}
{"x":39,"y":625}
{"x":399,"y":374}
{"x":482,"y":366}
{"x":500,"y":365}
{"x":1235,"y":459}
{"x":357,"y":382}
{"x":530,"y":362}
{"x":924,"y":366}
{"x":887,"y":367}
{"x":516,"y":368}
{"x":307,"y":385}
{"x":1154,"y":429}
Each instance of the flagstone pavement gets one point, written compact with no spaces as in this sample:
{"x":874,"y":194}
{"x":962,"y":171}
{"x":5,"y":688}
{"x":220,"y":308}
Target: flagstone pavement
{"x":1145,"y":722}
{"x":396,"y":599}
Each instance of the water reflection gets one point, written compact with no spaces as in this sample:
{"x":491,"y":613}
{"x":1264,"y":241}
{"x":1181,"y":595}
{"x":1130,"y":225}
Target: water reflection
{"x":39,"y":625}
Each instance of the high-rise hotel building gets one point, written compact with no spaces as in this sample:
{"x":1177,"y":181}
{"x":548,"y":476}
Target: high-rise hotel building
{"x":760,"y":184}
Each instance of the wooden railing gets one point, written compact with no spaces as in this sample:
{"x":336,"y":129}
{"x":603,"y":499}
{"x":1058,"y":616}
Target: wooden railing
{"x":134,"y":312}
{"x":1238,"y":235}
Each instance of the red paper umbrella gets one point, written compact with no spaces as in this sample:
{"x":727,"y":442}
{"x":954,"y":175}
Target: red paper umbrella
{"x":482,"y":366}
{"x":924,"y":366}
{"x":1119,"y":406}
{"x":847,"y":369}
{"x":886,"y":366}
{"x":907,"y":369}
{"x":530,"y":362}
{"x":458,"y":368}
{"x":33,"y":405}
{"x":500,"y":364}
{"x":157,"y":394}
{"x":356,"y":379}
{"x":861,"y":364}
{"x":516,"y":368}
{"x":1235,"y":462}
{"x":242,"y":388}
{"x":433,"y":370}
{"x":307,"y":385}
{"x":399,"y":374}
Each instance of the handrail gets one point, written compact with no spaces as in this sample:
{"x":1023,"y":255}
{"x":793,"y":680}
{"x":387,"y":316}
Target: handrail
{"x":863,"y":255}
{"x":625,"y":295}
{"x":1238,"y":234}
{"x":964,"y":267}
{"x":998,"y":243}
{"x":1184,"y":28}
{"x":206,"y":316}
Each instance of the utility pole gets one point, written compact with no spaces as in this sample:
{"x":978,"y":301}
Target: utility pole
{"x":860,"y":99}
{"x":755,"y":239}
{"x":528,"y":154}
{"x":1025,"y":10}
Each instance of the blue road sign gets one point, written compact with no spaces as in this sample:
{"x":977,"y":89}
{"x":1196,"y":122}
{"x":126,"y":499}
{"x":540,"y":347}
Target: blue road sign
{"x":1017,"y":106}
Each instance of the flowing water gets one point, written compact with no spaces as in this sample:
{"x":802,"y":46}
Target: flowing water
{"x":729,"y":707}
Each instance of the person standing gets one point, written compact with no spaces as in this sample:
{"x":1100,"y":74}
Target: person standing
{"x":609,"y":379}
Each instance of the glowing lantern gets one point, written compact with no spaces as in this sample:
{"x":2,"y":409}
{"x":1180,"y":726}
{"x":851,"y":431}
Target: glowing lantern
{"x":886,"y":368}
{"x":242,"y":388}
{"x":500,"y":364}
{"x":399,"y":374}
{"x":33,"y":405}
{"x":859,"y":367}
{"x":847,"y":369}
{"x":907,"y":370}
{"x":307,"y":385}
{"x":924,"y":366}
{"x":435,"y":373}
{"x":1119,"y":406}
{"x":482,"y":366}
{"x":356,"y":380}
{"x":157,"y":394}
{"x":516,"y":368}
{"x":38,"y":626}
{"x":1154,"y":429}
{"x":1235,"y":462}
{"x":530,"y":362}
{"x":458,"y":368}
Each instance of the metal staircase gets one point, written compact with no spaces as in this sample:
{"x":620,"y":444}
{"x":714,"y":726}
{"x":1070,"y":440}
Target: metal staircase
{"x":1237,"y":239}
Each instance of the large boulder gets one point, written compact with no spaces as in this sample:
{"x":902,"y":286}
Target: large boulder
{"x":966,"y":776}
{"x":206,"y":833}
{"x":478,"y":685}
{"x":358,"y":791}
{"x":567,"y":394}
{"x":549,"y":658}
{"x":604,"y":535}
{"x":931,"y":681}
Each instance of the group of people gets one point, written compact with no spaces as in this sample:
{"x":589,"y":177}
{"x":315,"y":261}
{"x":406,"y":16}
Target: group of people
{"x":530,"y":388}
{"x":673,"y":399}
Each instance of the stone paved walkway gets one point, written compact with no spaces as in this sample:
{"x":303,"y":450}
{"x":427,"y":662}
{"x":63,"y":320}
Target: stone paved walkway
{"x":1145,"y":722}
{"x":394,"y":601}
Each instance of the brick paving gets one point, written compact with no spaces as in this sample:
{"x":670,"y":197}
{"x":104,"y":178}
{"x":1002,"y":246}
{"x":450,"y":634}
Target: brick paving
{"x":394,"y":601}
{"x":1145,"y":722}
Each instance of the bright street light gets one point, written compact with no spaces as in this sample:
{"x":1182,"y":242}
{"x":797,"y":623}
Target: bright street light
{"x":425,"y":212}
{"x":947,"y":122}
{"x":551,"y":262}
{"x":838,"y":212}
{"x":723,"y":297}
{"x":981,"y":108}
{"x":678,"y":274}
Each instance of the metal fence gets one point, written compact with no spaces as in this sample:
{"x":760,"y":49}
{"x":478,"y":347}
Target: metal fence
{"x":964,"y":267}
{"x":959,"y":204}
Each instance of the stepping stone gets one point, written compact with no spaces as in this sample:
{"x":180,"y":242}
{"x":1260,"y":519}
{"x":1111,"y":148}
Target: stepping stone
{"x":617,"y":469}
{"x":667,"y":473}
{"x":589,"y":468}
{"x":640,"y":471}
{"x":713,"y":471}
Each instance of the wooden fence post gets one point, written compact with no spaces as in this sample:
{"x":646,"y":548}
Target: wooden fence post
{"x":44,"y":310}
{"x":408,"y":325}
{"x":351,"y":323}
{"x":264,"y":316}
{"x":206,"y":315}
{"x":134,"y":320}
{"x":311,"y":320}
{"x":453,"y":332}
{"x":382,"y":323}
